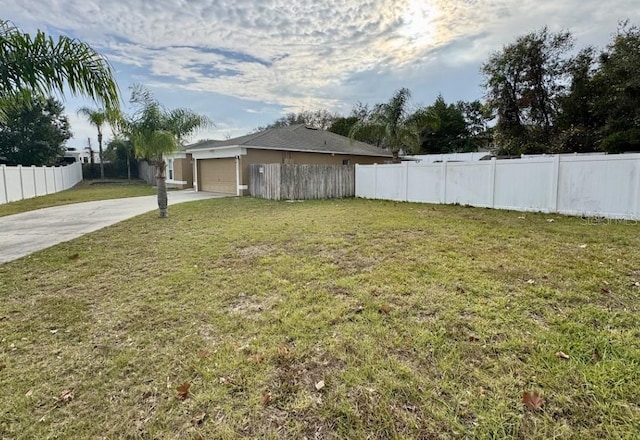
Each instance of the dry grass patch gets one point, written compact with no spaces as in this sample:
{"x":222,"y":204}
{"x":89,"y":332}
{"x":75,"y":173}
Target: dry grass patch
{"x":327,"y":319}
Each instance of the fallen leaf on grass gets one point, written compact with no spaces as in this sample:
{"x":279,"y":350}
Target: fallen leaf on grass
{"x":550,"y":220}
{"x":533,"y":400}
{"x":596,"y":356}
{"x":531,"y":281}
{"x":583,"y":246}
{"x":28,"y":393}
{"x":386,"y":308}
{"x":255,"y":359}
{"x":266,"y":398}
{"x":183,"y":390}
{"x":605,"y":291}
{"x":636,"y":284}
{"x":358,"y":309}
{"x":74,"y":256}
{"x":198,"y":419}
{"x":225,"y":379}
{"x":320,"y":385}
{"x":283,"y":351}
{"x":66,"y":396}
{"x":203,"y":354}
{"x":562,"y":355}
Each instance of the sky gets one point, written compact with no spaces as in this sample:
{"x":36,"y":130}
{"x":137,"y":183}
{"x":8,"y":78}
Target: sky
{"x":246,"y":63}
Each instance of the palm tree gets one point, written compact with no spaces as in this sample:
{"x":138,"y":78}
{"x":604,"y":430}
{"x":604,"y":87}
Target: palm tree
{"x":156,"y":132}
{"x":41,"y":65}
{"x":97,"y":118}
{"x":393,"y":126}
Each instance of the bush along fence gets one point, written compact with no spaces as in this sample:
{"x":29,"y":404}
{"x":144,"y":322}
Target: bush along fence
{"x":599,"y":186}
{"x":301,"y":182}
{"x":18,"y":183}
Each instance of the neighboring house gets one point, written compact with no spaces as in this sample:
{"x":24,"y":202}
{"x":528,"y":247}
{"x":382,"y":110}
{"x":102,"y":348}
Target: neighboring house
{"x":223,"y":166}
{"x":72,"y":154}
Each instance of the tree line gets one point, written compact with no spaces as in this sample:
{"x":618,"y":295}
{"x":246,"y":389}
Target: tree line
{"x":541,"y":97}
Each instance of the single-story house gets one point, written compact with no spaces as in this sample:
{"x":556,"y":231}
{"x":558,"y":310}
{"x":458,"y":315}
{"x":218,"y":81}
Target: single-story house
{"x":223,"y":166}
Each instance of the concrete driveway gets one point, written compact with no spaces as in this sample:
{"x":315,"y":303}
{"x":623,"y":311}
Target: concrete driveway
{"x":28,"y":232}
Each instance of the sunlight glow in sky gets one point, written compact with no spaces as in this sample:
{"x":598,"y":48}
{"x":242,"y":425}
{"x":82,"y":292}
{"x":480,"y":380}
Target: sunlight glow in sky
{"x":244,"y":63}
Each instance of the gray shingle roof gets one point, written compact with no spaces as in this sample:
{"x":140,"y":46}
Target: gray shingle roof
{"x":297,"y":138}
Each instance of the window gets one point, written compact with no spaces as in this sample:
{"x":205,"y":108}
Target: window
{"x":170,"y":169}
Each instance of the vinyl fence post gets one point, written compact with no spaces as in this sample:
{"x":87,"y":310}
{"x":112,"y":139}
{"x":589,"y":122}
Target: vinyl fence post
{"x":406,"y":181}
{"x":636,"y":212}
{"x":21,"y":183}
{"x":375,"y":180}
{"x":46,"y":181}
{"x":492,"y":184}
{"x":35,"y":182}
{"x":555,"y":183}
{"x":3,"y":169}
{"x":444,"y":181}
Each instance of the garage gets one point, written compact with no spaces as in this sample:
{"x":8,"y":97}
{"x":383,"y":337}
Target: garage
{"x":217,"y":175}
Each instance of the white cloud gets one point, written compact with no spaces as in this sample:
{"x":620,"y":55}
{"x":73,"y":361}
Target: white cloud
{"x":300,"y":54}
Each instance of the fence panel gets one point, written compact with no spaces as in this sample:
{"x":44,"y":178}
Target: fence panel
{"x":301,"y":182}
{"x":28,"y":184}
{"x":40,"y":180}
{"x":594,"y":185}
{"x":524,"y":184}
{"x":425,"y":183}
{"x":50,"y":180}
{"x":17,"y":183}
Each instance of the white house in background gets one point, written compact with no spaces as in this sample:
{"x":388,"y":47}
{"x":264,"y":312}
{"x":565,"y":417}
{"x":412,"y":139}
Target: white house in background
{"x":82,"y":155}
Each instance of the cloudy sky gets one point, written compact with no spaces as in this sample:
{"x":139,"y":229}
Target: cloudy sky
{"x":246,"y":63}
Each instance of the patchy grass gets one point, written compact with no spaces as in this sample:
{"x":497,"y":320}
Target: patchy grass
{"x":85,"y":191}
{"x":328,"y":319}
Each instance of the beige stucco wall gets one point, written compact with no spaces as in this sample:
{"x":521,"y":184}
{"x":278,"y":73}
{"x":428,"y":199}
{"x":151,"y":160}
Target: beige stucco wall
{"x":183,"y":170}
{"x":295,"y":157}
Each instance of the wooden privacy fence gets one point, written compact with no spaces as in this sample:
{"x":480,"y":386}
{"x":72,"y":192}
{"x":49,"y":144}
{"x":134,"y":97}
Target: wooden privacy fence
{"x":301,"y":182}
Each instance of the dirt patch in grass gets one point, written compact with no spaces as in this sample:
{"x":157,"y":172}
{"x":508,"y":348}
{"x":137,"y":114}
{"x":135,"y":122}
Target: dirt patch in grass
{"x":325,"y":319}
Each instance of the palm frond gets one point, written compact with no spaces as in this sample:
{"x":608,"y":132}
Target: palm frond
{"x":43,"y":65}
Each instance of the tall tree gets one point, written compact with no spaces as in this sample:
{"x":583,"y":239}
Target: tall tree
{"x":524,"y":82}
{"x":321,"y":119}
{"x":577,"y":123}
{"x":392,"y":125}
{"x":34,"y":133}
{"x":120,"y":151}
{"x":451,"y":134}
{"x":41,"y":65}
{"x":98,"y":118}
{"x":155,"y":132}
{"x":618,"y":85}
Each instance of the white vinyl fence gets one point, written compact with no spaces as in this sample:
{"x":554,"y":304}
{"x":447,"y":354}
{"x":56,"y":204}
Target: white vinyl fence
{"x":607,"y":186}
{"x":17,"y":183}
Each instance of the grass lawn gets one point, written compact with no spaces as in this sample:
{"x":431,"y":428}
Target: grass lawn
{"x":85,"y":191}
{"x":329,"y":319}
